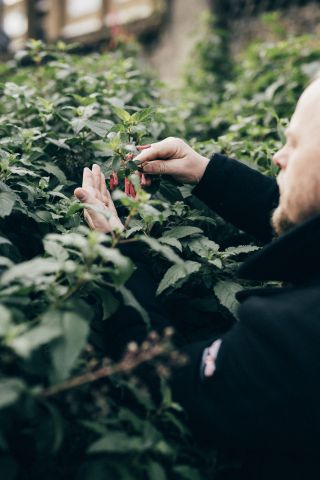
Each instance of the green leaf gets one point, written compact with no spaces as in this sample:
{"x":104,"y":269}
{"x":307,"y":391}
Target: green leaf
{"x":203,"y":247}
{"x":187,"y":473}
{"x":100,"y":128}
{"x":74,"y":208}
{"x":55,"y":250}
{"x":156,"y":471}
{"x":123,"y":265}
{"x":43,"y":216}
{"x":109,"y":303}
{"x":10,"y":391}
{"x":225,"y":291}
{"x":163,"y":448}
{"x":164,"y":250}
{"x":7,"y":201}
{"x":130,"y":301}
{"x":4,"y":241}
{"x":134,"y":227}
{"x":56,"y":171}
{"x":178,"y":273}
{"x":143,"y":115}
{"x":5,"y":320}
{"x":182,"y":232}
{"x":25,"y":344}
{"x":67,"y":349}
{"x":60,"y":143}
{"x":122,"y":114}
{"x":202,"y":219}
{"x":173,"y":242}
{"x":233,"y":251}
{"x":118,"y":442}
{"x":57,"y":427}
{"x":33,"y":272}
{"x":78,"y":124}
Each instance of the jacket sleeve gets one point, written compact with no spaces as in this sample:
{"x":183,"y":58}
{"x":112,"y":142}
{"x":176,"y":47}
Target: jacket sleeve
{"x":240,"y":195}
{"x":256,"y":397}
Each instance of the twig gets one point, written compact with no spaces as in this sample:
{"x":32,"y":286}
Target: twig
{"x":130,"y":362}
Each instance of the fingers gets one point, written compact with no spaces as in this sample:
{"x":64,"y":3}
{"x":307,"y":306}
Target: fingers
{"x":88,"y":219}
{"x":161,"y":150}
{"x":143,"y":147}
{"x":85,"y":196}
{"x":103,"y":189}
{"x":87,"y":179}
{"x":81,"y":195}
{"x":92,"y":181}
{"x":96,"y":174}
{"x":162,"y":167}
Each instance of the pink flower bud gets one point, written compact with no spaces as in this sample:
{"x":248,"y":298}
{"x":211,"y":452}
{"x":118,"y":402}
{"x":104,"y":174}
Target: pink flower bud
{"x":114,"y":181}
{"x":126,"y":186}
{"x":143,"y":180}
{"x":115,"y":178}
{"x":132,"y":191}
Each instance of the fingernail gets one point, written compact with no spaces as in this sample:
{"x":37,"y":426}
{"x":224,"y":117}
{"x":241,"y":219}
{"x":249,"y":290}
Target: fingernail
{"x":143,"y":147}
{"x":81,"y":195}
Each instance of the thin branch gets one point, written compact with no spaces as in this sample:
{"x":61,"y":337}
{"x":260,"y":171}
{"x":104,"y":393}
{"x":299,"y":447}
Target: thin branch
{"x":130,"y":362}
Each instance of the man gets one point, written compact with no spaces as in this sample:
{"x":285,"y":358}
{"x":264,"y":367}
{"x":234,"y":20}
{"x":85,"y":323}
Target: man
{"x":257,"y":387}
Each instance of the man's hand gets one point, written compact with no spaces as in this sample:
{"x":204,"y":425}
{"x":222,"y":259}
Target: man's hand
{"x":172,"y":157}
{"x":94,"y":192}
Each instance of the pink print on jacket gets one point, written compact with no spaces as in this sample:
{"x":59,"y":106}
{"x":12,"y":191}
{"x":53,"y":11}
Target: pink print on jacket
{"x":209,"y":358}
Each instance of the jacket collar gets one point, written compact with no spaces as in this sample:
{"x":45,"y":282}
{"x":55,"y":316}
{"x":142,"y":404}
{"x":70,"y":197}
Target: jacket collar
{"x":293,"y":257}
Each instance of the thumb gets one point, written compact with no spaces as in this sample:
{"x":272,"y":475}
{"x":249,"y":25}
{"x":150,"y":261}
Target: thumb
{"x":81,"y":194}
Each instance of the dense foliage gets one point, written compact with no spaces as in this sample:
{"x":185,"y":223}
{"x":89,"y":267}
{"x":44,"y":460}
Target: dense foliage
{"x":247,"y":117}
{"x":65,"y":412}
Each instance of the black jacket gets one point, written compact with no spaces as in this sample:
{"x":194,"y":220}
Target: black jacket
{"x":264,"y":397}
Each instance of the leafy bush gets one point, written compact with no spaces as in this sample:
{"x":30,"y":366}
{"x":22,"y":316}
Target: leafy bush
{"x":248,"y":118}
{"x":60,"y":112}
{"x":66,"y":412}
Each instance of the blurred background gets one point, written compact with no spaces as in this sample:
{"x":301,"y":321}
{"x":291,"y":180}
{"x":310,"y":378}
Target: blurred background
{"x":167,"y":29}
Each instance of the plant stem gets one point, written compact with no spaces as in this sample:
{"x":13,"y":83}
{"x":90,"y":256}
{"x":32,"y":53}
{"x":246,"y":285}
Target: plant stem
{"x":126,"y":365}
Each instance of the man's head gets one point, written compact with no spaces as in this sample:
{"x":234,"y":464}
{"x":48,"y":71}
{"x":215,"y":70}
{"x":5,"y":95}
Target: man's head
{"x":299,"y":161}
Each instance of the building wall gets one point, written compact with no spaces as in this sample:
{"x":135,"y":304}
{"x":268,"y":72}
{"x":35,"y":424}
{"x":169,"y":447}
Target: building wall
{"x":81,"y":20}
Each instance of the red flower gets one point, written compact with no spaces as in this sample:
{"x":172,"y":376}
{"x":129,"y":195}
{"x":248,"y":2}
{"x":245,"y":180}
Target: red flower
{"x":132,"y":191}
{"x":126,"y":186}
{"x":114,"y":181}
{"x":143,"y":180}
{"x":129,"y":188}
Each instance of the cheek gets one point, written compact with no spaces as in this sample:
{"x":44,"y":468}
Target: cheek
{"x":297,"y":168}
{"x":299,"y":185}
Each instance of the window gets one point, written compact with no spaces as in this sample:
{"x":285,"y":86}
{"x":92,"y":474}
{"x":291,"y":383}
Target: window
{"x":15,"y":20}
{"x":125,"y":12}
{"x":83,"y":20}
{"x":82,"y":17}
{"x":76,"y":8}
